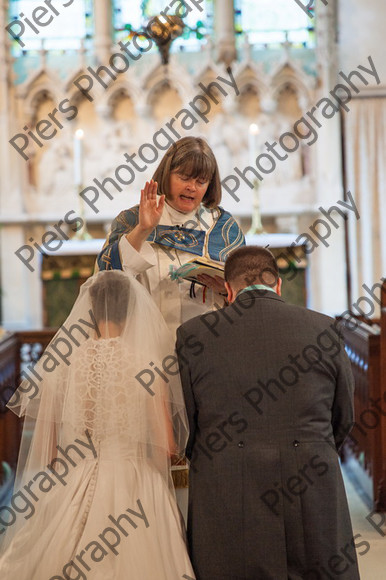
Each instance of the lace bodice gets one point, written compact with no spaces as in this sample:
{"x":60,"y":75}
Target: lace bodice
{"x":103,"y":396}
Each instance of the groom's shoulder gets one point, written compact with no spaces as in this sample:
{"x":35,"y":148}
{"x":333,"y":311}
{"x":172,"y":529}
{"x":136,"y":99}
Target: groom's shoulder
{"x":304,"y":315}
{"x":201,"y":324}
{"x":196,"y":323}
{"x":231,"y":314}
{"x":307,"y":322}
{"x":309,"y":314}
{"x":190,"y":325}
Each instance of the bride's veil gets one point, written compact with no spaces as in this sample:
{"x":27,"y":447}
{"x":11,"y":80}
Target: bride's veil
{"x":109,"y":376}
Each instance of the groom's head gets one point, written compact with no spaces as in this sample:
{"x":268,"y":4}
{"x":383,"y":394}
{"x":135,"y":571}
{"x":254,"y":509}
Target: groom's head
{"x":249,"y":266}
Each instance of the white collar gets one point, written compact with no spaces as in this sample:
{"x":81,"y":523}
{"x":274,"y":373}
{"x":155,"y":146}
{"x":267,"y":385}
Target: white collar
{"x":200,"y":219}
{"x":178,"y":217}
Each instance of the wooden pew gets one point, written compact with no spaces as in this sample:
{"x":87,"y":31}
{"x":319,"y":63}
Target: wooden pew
{"x":366,"y":444}
{"x":381,"y":502}
{"x":10,"y":424}
{"x":15,"y":349}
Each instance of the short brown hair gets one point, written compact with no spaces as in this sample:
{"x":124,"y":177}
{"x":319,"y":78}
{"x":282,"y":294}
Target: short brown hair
{"x":194,"y":157}
{"x":251,"y":265}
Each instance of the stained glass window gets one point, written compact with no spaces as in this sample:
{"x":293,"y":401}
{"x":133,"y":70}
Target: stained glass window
{"x":60,"y":27}
{"x":269,"y":22}
{"x":132,"y":16}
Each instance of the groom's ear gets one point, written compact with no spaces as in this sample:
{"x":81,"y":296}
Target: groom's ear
{"x":231,"y":295}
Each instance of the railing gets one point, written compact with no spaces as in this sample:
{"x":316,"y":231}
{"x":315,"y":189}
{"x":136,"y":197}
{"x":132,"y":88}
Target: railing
{"x":10,"y":426}
{"x":381,"y":493}
{"x":16,"y":350}
{"x":366,"y":347}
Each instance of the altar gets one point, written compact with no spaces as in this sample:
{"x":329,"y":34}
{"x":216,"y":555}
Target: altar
{"x":63,"y":272}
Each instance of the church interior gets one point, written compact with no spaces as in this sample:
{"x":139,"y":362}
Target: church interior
{"x":291,"y":97}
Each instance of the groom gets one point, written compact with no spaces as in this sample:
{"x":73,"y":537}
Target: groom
{"x":269,"y":401}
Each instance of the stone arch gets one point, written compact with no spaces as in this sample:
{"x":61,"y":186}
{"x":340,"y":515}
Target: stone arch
{"x":75,"y":96}
{"x":290,"y":76}
{"x":159,"y":79}
{"x":163,"y":100}
{"x":123,"y":89}
{"x":253,"y":89}
{"x":37,"y":89}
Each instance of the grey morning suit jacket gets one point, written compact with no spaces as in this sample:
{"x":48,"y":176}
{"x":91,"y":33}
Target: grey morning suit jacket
{"x":268,"y":390}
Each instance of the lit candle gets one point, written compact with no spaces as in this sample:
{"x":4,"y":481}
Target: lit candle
{"x":78,"y":157}
{"x":253,"y":132}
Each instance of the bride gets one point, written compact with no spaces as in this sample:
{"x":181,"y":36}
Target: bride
{"x":93,"y":497}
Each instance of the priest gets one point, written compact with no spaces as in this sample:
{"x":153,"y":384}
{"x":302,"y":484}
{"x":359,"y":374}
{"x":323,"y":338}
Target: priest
{"x":178,"y":219}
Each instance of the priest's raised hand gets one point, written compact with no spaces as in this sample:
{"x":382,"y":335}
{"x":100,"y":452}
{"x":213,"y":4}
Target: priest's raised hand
{"x":149,"y":215}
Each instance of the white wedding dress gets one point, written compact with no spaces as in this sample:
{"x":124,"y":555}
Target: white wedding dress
{"x":116,"y":516}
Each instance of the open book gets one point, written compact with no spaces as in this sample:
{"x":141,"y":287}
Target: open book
{"x":194,"y":268}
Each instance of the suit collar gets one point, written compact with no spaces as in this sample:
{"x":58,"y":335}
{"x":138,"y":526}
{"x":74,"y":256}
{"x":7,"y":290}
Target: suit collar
{"x":253,"y":294}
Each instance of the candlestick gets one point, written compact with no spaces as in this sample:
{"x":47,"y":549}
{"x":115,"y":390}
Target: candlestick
{"x":82,"y":233}
{"x":256,"y":226}
{"x":78,"y":157}
{"x":252,"y":141}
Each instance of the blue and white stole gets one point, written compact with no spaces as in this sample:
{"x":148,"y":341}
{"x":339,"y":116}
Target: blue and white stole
{"x":214,"y":241}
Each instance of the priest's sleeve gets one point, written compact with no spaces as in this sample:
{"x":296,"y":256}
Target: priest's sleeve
{"x":109,"y":258}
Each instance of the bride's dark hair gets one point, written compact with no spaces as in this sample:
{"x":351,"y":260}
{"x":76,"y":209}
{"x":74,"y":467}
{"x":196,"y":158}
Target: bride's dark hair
{"x":110,"y":296}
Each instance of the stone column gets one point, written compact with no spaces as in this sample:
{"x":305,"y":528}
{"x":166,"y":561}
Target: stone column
{"x":224,"y":28}
{"x":13,"y":168}
{"x":20,"y":288}
{"x":103,"y":30}
{"x":4,"y":106}
{"x":4,"y":125}
{"x":328,"y":264}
